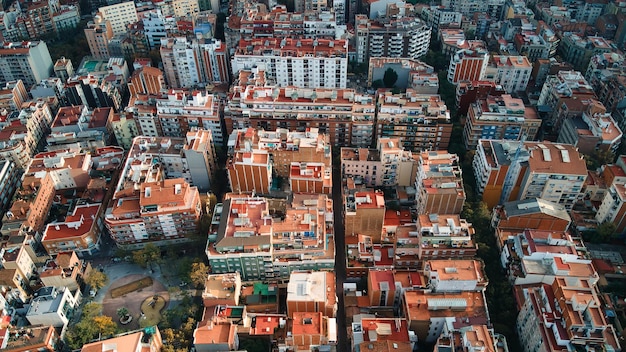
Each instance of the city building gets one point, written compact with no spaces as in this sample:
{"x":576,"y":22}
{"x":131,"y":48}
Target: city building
{"x":386,"y":333}
{"x":467,"y":93}
{"x":364,"y":214}
{"x":301,"y":63}
{"x":439,"y":184}
{"x":345,"y":115}
{"x":147,"y":80}
{"x":591,"y":132}
{"x":428,"y":312}
{"x":310,"y":178}
{"x":578,"y":50}
{"x":9,"y":182}
{"x":309,"y":329}
{"x":388,"y":165}
{"x":510,"y":72}
{"x":312,"y":292}
{"x":80,"y":232}
{"x":412,"y":74}
{"x":148,"y":338}
{"x":214,"y":335}
{"x":65,"y":270}
{"x":26,"y":61}
{"x":438,"y":236}
{"x":455,"y":275}
{"x":407,"y":37}
{"x":500,"y":117}
{"x":98,"y":34}
{"x":613,"y":207}
{"x":572,"y":304}
{"x":468,"y":64}
{"x":119,"y":15}
{"x":262,"y":247}
{"x":471,"y":338}
{"x":563,"y":95}
{"x":534,"y":213}
{"x":161,"y":212}
{"x":18,"y":258}
{"x":124,"y":127}
{"x":532,"y":46}
{"x":41,"y":338}
{"x":189,"y":64}
{"x":222,"y":289}
{"x":250,"y":171}
{"x":507,"y":171}
{"x":419,"y":121}
{"x":285,"y":147}
{"x":439,"y":17}
{"x":53,"y":306}
{"x":12,"y":96}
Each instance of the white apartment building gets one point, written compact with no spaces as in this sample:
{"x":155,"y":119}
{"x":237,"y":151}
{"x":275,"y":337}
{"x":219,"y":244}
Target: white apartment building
{"x":511,"y":72}
{"x":28,"y":61}
{"x":53,"y":306}
{"x":154,"y":28}
{"x":304,"y":63}
{"x":119,"y":15}
{"x":191,"y":63}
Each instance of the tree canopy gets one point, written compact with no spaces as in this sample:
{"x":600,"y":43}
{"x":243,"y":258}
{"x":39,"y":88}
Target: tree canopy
{"x":390,"y":78}
{"x":96,"y":279}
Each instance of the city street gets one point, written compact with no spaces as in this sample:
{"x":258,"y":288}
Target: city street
{"x":340,"y":257}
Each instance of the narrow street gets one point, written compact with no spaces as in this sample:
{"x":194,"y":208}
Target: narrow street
{"x":340,"y":257}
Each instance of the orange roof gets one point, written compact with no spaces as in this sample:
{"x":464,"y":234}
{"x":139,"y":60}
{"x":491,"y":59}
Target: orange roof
{"x":75,"y":225}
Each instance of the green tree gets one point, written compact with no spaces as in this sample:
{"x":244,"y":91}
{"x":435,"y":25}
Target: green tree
{"x":96,"y":279}
{"x":139,"y":258}
{"x":605,"y":232}
{"x":198,"y":274}
{"x":91,"y":310}
{"x":147,"y":255}
{"x":390,"y":78}
{"x":104,"y":325}
{"x":598,"y":158}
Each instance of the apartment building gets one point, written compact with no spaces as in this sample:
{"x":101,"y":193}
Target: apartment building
{"x":31,"y":206}
{"x":161,"y":212}
{"x":469,"y":338}
{"x":419,"y":121}
{"x":428,"y":312}
{"x":534,"y":213}
{"x":381,"y":332}
{"x":467,"y":8}
{"x":28,"y":61}
{"x":553,"y":172}
{"x":188,"y":64}
{"x":124,"y":127}
{"x":260,"y":247}
{"x":283,"y":24}
{"x":179,"y":112}
{"x":98,"y":33}
{"x":222,"y":289}
{"x":439,"y":17}
{"x":302,"y":63}
{"x":250,"y":171}
{"x":455,"y":275}
{"x":43,"y":338}
{"x":500,"y":117}
{"x":119,"y":15}
{"x":591,"y":131}
{"x":439,"y":236}
{"x":147,"y":80}
{"x":613,"y":207}
{"x":364,"y":214}
{"x":542,"y":256}
{"x":285,"y":147}
{"x":148,"y":338}
{"x":578,"y":50}
{"x":511,"y":72}
{"x":18,"y":258}
{"x":391,"y":37}
{"x":468,"y":64}
{"x":13,"y":95}
{"x":79,"y":232}
{"x":312,"y":292}
{"x":563,"y":94}
{"x":310,"y":178}
{"x":572,"y":304}
{"x":9,"y":182}
{"x":345,"y":115}
{"x":439,"y":184}
{"x":388,"y":165}
{"x":532,"y":46}
{"x":153,"y":158}
{"x":65,"y":270}
{"x":468,"y":92}
{"x":412,"y":74}
{"x":53,"y":306}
